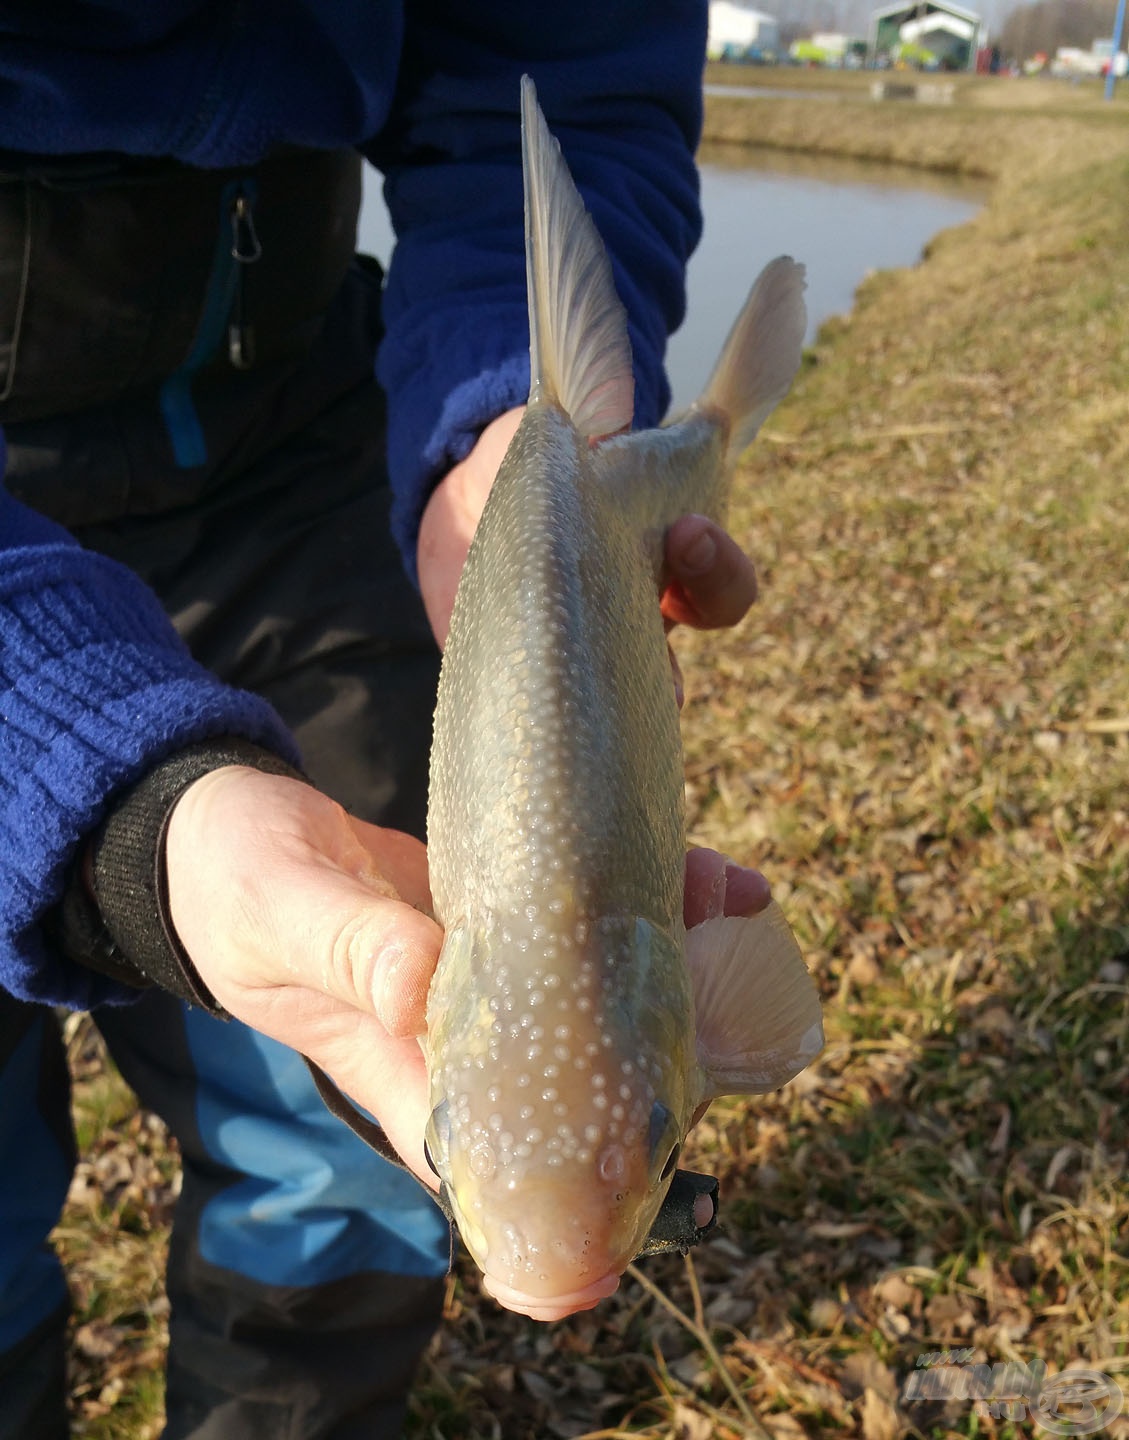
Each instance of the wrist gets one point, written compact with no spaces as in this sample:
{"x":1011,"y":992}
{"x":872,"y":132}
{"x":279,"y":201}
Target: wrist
{"x":115,"y":916}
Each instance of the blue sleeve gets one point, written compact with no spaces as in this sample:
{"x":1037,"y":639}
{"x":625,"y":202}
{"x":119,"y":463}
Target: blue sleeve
{"x":621,"y":86}
{"x":95,"y":688}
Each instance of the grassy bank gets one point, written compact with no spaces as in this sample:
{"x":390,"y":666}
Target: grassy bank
{"x":922,"y":735}
{"x":925,"y":735}
{"x":1001,"y":129}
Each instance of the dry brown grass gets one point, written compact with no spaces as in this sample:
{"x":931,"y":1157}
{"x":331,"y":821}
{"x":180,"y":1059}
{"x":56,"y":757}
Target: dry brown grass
{"x":922,"y":735}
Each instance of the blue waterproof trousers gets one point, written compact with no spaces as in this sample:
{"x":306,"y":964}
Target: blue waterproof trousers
{"x":305,"y":1274}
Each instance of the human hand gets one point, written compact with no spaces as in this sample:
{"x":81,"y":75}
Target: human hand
{"x":716,"y":885}
{"x":451,"y":516}
{"x":312,"y":927}
{"x":709,"y":582}
{"x":309,"y":925}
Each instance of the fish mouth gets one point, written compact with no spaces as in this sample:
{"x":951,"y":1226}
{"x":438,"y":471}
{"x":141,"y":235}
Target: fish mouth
{"x":551,"y":1307}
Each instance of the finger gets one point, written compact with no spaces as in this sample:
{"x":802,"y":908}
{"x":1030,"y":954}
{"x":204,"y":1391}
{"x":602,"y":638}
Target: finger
{"x":715,"y":885}
{"x":273,"y":885}
{"x":386,"y":941}
{"x":378,"y":956}
{"x":390,"y":862}
{"x":747,"y":892}
{"x":711,"y":582}
{"x":704,"y":896}
{"x":328,"y":933}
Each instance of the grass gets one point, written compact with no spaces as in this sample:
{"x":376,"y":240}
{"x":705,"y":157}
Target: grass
{"x":922,"y":735}
{"x":114,"y":1238}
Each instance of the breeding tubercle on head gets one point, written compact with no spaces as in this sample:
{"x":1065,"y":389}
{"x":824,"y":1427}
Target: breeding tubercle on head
{"x":560,"y":1105}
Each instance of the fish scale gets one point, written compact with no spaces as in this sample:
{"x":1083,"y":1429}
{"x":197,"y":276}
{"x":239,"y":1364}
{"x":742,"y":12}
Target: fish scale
{"x":554,"y":574}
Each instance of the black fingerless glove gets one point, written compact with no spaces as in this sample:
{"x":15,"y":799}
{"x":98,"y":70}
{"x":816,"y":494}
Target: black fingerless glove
{"x":125,"y":930}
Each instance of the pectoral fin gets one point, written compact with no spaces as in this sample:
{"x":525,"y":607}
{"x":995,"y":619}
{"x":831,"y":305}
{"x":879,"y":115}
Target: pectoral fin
{"x":758,"y":1012}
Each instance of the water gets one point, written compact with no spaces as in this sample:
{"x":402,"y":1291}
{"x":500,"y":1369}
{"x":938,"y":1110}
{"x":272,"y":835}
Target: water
{"x":769,"y":92}
{"x":374,"y":232}
{"x":841,"y":218}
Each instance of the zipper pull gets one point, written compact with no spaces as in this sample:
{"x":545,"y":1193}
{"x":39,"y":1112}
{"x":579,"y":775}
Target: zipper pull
{"x":245,"y":246}
{"x":245,"y":250}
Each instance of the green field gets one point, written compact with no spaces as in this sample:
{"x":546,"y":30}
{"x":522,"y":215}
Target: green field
{"x":922,"y":735}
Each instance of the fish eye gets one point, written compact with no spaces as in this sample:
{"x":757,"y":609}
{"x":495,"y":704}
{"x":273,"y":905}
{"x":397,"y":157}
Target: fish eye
{"x":664,"y":1141}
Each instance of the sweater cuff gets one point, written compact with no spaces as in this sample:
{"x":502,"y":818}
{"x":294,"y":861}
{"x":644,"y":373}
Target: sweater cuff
{"x":125,"y":930}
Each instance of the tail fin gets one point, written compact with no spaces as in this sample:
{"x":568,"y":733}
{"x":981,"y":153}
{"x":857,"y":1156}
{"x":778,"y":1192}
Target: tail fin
{"x":763,"y":351}
{"x":580,"y":355}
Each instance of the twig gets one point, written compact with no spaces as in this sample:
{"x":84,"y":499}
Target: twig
{"x":1118,"y":726}
{"x":701,"y":1335}
{"x":692,"y":1277}
{"x":863,"y":436}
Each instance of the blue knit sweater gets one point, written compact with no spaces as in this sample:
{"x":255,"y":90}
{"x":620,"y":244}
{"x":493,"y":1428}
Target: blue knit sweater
{"x":95,"y":686}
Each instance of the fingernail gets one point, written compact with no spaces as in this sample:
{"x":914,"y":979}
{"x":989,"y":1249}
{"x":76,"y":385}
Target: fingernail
{"x":699,"y":555}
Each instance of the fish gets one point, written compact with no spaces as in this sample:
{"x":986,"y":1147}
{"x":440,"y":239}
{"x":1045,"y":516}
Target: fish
{"x":575,"y":1030}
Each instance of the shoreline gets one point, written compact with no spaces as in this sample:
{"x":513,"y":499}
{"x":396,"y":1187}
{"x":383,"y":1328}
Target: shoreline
{"x":990,"y":126}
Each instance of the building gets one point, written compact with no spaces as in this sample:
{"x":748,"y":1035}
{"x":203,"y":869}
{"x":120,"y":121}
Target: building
{"x":1077,"y":64}
{"x":738,"y":31}
{"x":929,"y":33}
{"x":840,"y":49}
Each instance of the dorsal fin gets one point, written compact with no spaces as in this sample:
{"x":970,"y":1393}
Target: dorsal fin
{"x":580,"y":355}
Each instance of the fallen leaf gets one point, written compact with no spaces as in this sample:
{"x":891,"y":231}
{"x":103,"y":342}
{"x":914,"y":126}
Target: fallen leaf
{"x":949,"y":1316}
{"x":893,"y":1290}
{"x":879,"y":1417}
{"x":1057,"y":1165}
{"x":538,"y":1387}
{"x":784,"y":1427}
{"x":97,"y":1340}
{"x":691,"y":1424}
{"x":692,"y":1370}
{"x":995,"y":1020}
{"x":863,"y":1371}
{"x":824,"y":1313}
{"x":838,"y":1230}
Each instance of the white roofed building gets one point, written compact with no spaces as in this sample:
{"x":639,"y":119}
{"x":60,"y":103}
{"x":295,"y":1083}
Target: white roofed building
{"x":948,"y":33}
{"x":735,"y":29}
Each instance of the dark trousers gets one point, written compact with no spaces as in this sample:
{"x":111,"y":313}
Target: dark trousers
{"x":305,"y":1274}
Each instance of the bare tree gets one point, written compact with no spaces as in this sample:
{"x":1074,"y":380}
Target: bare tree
{"x":1047,"y":24}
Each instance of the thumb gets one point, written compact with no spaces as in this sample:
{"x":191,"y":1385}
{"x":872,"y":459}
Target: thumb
{"x":378,"y":954}
{"x":273,"y":886}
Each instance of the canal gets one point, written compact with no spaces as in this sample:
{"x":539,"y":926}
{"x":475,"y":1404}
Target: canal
{"x":841,"y":218}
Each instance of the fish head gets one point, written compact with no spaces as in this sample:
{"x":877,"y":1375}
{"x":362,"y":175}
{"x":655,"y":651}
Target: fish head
{"x":562,"y":1079}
